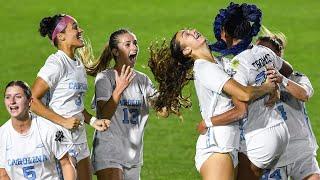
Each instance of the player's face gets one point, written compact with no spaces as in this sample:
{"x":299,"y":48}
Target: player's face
{"x":16,"y":102}
{"x":190,"y":38}
{"x":73,"y":35}
{"x":128,"y":49}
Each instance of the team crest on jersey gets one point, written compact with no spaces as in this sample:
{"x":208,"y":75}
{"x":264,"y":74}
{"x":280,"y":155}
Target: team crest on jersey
{"x":59,"y":136}
{"x":235,"y":64}
{"x":260,"y":78}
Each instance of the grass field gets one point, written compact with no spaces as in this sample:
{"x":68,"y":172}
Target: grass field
{"x":169,"y":143}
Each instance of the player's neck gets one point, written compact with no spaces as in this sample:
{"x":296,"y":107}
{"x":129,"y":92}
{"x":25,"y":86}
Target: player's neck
{"x":21,"y":124}
{"x":67,"y":50}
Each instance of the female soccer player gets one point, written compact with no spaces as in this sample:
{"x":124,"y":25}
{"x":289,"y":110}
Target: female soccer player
{"x":299,"y":160}
{"x":216,"y":153}
{"x":234,"y":28}
{"x":31,"y":146}
{"x":118,"y":152}
{"x":61,"y":83}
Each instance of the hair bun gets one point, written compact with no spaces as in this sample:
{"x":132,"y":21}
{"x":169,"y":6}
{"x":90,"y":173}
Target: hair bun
{"x":46,"y":25}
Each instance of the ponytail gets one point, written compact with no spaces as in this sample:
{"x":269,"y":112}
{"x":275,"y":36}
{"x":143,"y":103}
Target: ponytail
{"x":93,"y":67}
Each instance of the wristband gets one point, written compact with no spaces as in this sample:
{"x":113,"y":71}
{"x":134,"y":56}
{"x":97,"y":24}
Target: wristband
{"x":92,"y":120}
{"x":208,"y":122}
{"x":285,"y":81}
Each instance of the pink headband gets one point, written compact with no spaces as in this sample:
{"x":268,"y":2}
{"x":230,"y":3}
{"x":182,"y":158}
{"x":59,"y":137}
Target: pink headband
{"x":62,"y":24}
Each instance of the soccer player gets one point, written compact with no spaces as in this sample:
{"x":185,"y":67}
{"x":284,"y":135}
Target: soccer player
{"x":62,"y":83}
{"x":31,"y":146}
{"x":216,"y":149}
{"x":234,"y":29}
{"x":299,"y":159}
{"x":125,"y":99}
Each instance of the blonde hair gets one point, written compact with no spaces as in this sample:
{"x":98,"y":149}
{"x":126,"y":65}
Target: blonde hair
{"x":278,"y":40}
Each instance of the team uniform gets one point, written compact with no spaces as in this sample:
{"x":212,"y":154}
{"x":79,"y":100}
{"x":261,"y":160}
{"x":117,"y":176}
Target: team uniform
{"x":33,"y":155}
{"x":264,"y":133}
{"x":67,"y":83}
{"x":299,"y":159}
{"x":121,"y":146}
{"x":218,"y":139}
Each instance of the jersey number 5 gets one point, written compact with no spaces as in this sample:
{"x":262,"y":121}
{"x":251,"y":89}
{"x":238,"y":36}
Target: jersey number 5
{"x":29,"y":172}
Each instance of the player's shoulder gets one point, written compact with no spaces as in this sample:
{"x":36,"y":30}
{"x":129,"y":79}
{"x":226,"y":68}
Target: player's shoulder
{"x":298,"y":76}
{"x":203,"y":68}
{"x":46,"y":126}
{"x":55,"y":59}
{"x":106,"y":73}
{"x":140,"y":74}
{"x":5,"y":128}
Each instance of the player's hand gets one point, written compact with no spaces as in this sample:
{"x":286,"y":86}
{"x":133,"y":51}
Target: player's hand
{"x":71,"y":123}
{"x":101,"y":124}
{"x":202,"y":128}
{"x":124,"y":79}
{"x":273,"y":75}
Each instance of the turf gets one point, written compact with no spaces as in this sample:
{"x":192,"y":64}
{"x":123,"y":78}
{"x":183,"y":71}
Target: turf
{"x":169,"y":143}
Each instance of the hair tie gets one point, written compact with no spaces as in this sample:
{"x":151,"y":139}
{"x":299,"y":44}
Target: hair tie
{"x":250,"y":13}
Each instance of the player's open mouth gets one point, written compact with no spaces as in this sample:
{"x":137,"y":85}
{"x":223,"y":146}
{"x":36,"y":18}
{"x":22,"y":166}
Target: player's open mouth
{"x":13,"y":108}
{"x":133,"y":57}
{"x":79,"y":36}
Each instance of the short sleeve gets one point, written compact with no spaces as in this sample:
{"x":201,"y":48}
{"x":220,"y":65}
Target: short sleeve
{"x":150,"y":89}
{"x":103,"y":87}
{"x":211,"y":76}
{"x":51,"y":72}
{"x":305,"y":82}
{"x":239,"y":71}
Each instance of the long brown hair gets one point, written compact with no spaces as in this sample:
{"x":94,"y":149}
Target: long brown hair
{"x":173,"y":71}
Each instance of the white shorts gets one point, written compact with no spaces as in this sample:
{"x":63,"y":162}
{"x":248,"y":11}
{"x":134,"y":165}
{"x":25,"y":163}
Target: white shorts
{"x":264,"y":146}
{"x":132,"y":173}
{"x":218,"y":139}
{"x":79,"y":151}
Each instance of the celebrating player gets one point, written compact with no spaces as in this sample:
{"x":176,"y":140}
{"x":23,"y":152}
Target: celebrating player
{"x":62,"y":84}
{"x":234,"y":28}
{"x":299,"y":160}
{"x":30,"y":145}
{"x":216,"y":153}
{"x":123,"y":95}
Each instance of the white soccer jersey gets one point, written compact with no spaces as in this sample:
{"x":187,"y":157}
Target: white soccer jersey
{"x":33,"y":155}
{"x":123,"y":141}
{"x":209,"y":81}
{"x":67,"y":81}
{"x":302,"y":140}
{"x":249,"y":68}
